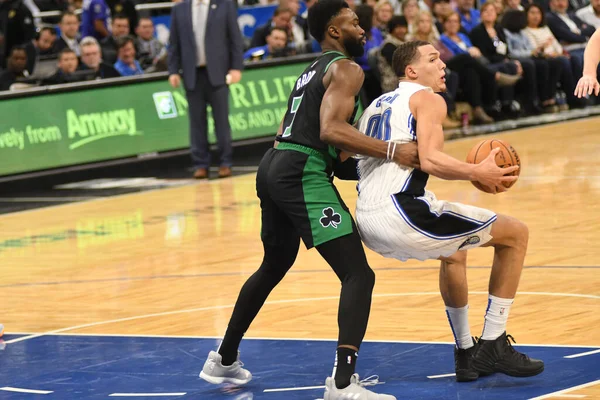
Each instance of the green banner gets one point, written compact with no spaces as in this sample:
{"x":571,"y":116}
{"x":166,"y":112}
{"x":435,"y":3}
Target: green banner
{"x":84,"y":126}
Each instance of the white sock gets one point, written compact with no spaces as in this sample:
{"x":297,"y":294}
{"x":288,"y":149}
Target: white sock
{"x":459,"y":323}
{"x":496,"y":317}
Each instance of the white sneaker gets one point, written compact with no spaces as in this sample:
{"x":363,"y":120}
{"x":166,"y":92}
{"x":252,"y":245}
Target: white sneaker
{"x":1,"y":330}
{"x":355,"y":391}
{"x":216,"y":373}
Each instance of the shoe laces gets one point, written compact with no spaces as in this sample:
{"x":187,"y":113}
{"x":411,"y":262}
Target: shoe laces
{"x":370,"y":381}
{"x":511,"y":349}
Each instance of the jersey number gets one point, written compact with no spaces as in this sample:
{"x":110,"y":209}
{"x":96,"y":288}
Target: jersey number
{"x":295,"y":106}
{"x":379,"y":126}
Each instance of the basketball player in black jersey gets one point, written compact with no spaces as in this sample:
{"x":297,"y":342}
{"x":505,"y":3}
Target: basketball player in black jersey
{"x":298,"y":199}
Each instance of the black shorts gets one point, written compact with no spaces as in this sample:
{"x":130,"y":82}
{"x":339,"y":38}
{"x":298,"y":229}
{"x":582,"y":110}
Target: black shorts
{"x":295,"y":187}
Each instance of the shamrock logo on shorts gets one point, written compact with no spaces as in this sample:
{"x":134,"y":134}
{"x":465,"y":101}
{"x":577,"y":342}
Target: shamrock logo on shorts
{"x":330,"y":217}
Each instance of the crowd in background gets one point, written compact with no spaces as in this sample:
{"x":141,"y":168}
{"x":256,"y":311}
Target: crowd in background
{"x":505,"y":58}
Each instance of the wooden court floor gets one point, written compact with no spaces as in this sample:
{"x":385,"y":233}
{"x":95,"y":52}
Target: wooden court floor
{"x":171,"y":262}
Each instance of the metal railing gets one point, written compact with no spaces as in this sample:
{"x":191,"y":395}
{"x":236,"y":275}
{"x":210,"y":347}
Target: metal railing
{"x":138,"y":7}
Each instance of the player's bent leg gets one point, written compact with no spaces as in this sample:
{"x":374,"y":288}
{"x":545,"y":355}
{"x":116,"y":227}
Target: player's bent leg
{"x":510,"y":238}
{"x":455,"y":292}
{"x":494,"y":352}
{"x":224,"y":366}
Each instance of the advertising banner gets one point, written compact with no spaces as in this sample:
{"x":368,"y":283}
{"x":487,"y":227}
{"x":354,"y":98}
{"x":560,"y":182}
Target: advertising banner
{"x":62,"y":129}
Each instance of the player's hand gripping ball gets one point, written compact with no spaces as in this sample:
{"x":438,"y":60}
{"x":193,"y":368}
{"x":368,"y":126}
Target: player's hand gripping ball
{"x":506,"y":157}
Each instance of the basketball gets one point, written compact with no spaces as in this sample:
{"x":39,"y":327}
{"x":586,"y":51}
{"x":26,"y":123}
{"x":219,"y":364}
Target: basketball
{"x":506,"y":157}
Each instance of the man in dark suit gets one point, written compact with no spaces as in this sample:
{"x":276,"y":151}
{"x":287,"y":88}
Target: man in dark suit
{"x":206,"y":45}
{"x":69,"y":28}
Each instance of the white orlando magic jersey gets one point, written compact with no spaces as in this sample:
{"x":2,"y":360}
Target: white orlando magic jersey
{"x":389,"y":118}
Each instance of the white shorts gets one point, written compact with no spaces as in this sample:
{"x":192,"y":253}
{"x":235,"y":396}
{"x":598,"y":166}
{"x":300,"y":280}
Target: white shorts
{"x":422,"y":228}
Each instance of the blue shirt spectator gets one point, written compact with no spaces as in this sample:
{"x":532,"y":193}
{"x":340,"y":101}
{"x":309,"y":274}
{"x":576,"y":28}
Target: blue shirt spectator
{"x":472,"y":22}
{"x":128,"y":70}
{"x":457,"y":48}
{"x":94,"y":10}
{"x":126,"y":64}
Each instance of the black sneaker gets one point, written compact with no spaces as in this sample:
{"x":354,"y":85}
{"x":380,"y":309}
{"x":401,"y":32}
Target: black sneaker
{"x":463,"y":364}
{"x":500,"y":356}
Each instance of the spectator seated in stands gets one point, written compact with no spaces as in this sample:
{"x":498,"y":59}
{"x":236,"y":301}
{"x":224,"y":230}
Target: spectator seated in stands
{"x":410,"y":9}
{"x":570,"y":31}
{"x":383,"y":14}
{"x":397,"y":28}
{"x":547,"y":70}
{"x":149,"y":49}
{"x":440,"y":10}
{"x":69,"y":30}
{"x":91,"y":57}
{"x":15,"y":68}
{"x":276,"y":47}
{"x":126,"y":8}
{"x":126,"y":64}
{"x":541,"y":37}
{"x":590,"y":14}
{"x":490,"y":39}
{"x":469,"y":16}
{"x":68,"y":63}
{"x":282,"y":18}
{"x":120,"y":28}
{"x":41,"y":45}
{"x":478,"y":82}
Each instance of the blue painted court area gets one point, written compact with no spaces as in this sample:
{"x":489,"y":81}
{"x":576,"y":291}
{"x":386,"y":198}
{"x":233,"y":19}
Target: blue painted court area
{"x":94,"y":367}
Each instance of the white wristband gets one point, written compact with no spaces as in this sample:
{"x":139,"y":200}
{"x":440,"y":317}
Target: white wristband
{"x":390,"y":155}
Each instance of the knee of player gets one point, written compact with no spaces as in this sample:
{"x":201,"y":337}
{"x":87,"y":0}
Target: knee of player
{"x":524,"y":232}
{"x":368,"y":278}
{"x":520,"y":234}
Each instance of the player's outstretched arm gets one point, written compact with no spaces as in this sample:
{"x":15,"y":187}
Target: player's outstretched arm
{"x":429,"y":110}
{"x":345,"y":80}
{"x":588,"y":83}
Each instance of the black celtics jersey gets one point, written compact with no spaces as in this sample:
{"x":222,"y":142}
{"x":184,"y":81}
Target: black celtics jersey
{"x":301,"y":124}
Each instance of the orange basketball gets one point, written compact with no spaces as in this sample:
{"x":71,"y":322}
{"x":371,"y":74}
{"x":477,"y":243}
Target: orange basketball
{"x":506,"y":157}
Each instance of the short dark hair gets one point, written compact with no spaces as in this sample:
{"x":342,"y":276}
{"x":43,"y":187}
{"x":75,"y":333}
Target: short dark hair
{"x":405,"y":54}
{"x":396,"y":21}
{"x":123,"y":40}
{"x":67,"y":14}
{"x":43,"y":29}
{"x":145,"y":19}
{"x":14,"y":49}
{"x":119,"y":16}
{"x":64,"y":51}
{"x":533,"y":5}
{"x":514,"y":20}
{"x":276,"y":28}
{"x":321,"y":14}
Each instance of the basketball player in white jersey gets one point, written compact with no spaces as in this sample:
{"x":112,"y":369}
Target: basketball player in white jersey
{"x":588,"y":83}
{"x":398,"y":218}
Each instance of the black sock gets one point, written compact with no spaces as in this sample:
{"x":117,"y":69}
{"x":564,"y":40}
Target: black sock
{"x":230,"y":345}
{"x":346,"y":363}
